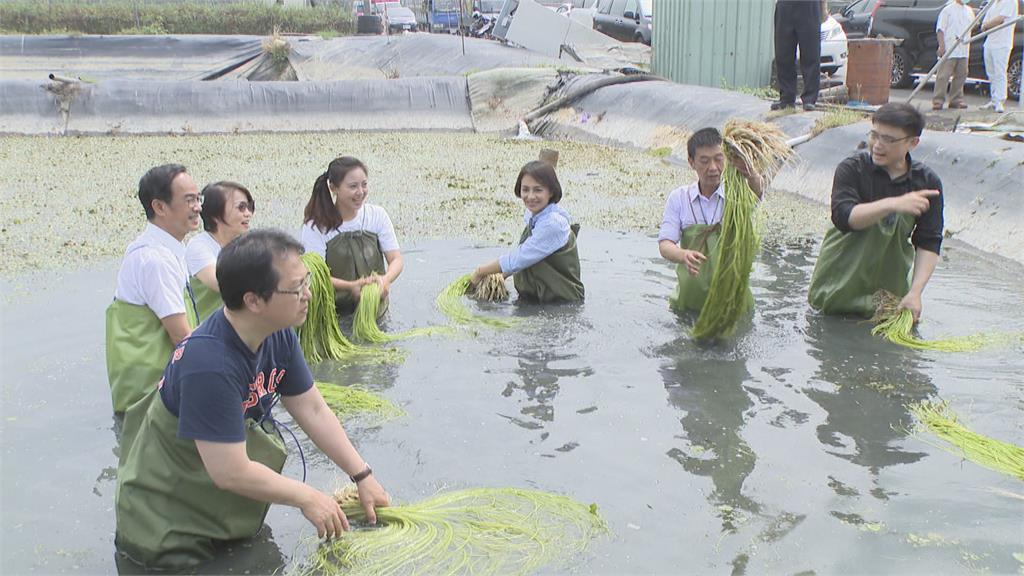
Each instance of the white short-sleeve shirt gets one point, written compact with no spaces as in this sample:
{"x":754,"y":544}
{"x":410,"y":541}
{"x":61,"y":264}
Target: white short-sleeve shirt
{"x":153,"y":273}
{"x":955,"y":22}
{"x":1003,"y":38}
{"x":371,"y":218}
{"x":202,"y":251}
{"x":686,"y":207}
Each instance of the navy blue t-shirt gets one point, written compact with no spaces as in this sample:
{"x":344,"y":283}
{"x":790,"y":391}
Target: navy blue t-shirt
{"x":214,"y":381}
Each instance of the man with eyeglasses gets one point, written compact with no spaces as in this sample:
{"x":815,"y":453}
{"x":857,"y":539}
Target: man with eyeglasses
{"x":201,"y":455}
{"x":887,"y":212}
{"x":147,"y":317}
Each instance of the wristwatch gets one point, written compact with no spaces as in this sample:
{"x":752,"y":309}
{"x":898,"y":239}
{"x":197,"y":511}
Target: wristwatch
{"x":362,"y":475}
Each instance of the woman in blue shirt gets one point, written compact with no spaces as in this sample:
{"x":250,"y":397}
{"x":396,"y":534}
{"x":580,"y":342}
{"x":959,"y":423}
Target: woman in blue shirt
{"x":545,"y":266}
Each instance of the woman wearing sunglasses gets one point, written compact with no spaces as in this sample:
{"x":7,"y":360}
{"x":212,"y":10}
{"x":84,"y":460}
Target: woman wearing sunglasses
{"x":227,"y":210}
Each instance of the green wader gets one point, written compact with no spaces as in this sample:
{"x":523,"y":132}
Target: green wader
{"x":169,"y":512}
{"x":555,"y":278}
{"x":692,"y":291}
{"x":138,"y":349}
{"x":852,"y":266}
{"x":351,"y":256}
{"x":207,"y":301}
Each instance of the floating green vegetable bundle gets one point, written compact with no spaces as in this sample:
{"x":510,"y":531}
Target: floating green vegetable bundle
{"x":937,"y":418}
{"x":475,"y":531}
{"x":896,"y":325}
{"x":763,"y":148}
{"x":364,"y":323}
{"x":358,"y":402}
{"x":451,"y":303}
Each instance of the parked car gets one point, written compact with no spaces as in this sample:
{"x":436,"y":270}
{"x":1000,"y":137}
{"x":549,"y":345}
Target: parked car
{"x":855,"y":18}
{"x":913,"y":21}
{"x":400,"y":19}
{"x":626,"y":20}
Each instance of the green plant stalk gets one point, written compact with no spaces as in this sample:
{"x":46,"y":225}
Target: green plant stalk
{"x":357,"y":402}
{"x":364,"y":323}
{"x":475,"y":531}
{"x":897,"y":327}
{"x":737,"y":247}
{"x":450,"y":302}
{"x":939,"y":420}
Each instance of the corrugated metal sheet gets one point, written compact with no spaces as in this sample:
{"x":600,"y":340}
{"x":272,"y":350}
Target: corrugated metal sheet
{"x":714,"y":42}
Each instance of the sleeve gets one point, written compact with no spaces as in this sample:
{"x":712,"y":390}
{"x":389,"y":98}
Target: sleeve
{"x":845,"y":193}
{"x":942,"y":24}
{"x":210,"y":408}
{"x":162,"y":288}
{"x":298,"y":378}
{"x":927,"y":233}
{"x":198,"y":255}
{"x":385,"y":231}
{"x":312,"y":240}
{"x":1008,"y":8}
{"x":546,"y":238}
{"x":671,"y":224}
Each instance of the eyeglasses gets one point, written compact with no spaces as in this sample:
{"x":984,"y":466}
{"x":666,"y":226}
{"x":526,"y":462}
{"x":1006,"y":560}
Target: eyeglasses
{"x":302,"y":287}
{"x":885,"y":138}
{"x":243,"y":206}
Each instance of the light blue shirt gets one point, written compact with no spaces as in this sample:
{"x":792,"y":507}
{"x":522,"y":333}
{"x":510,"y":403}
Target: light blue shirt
{"x":549,"y":233}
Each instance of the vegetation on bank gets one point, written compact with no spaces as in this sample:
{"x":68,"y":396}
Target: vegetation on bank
{"x":123,"y":17}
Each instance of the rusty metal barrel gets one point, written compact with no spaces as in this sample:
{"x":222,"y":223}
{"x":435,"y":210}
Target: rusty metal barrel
{"x":869,"y":70}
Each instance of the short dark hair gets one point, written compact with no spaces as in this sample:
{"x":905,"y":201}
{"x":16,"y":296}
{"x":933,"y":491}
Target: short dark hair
{"x":900,"y":115}
{"x":215,"y":200}
{"x":246,"y":264}
{"x":545,"y":174}
{"x":703,"y":138}
{"x":320,"y":210}
{"x":156,"y":185}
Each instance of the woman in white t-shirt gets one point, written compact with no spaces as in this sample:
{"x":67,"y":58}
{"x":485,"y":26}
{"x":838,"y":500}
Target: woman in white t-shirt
{"x":227,"y":210}
{"x":356,"y":239}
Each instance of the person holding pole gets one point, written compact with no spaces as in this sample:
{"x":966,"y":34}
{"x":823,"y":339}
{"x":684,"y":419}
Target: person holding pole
{"x":954,"y":24}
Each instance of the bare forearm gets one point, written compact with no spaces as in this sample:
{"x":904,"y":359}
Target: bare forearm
{"x":395,"y":267}
{"x":257,"y":482}
{"x":489,"y":268}
{"x":340,"y":284}
{"x":869,"y":213}
{"x":924,"y":265}
{"x":208,"y":276}
{"x":997,"y":21}
{"x":325,"y":430}
{"x":670,"y":251}
{"x":176,"y":326}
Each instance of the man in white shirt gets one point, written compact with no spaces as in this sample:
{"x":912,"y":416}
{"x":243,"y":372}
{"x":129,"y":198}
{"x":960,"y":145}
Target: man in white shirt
{"x":998,"y":46}
{"x":954,"y":24}
{"x":147,"y":317}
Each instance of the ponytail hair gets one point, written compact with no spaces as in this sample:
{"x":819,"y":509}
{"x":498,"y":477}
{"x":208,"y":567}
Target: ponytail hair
{"x":321,"y":210}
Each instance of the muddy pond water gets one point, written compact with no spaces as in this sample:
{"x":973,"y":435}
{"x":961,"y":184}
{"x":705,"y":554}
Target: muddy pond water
{"x":783,"y":450}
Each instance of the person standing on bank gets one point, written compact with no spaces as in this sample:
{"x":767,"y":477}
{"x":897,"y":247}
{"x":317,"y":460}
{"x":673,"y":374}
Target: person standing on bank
{"x":228,"y":208}
{"x":954,"y":24}
{"x":201,"y":458}
{"x":998,"y":46}
{"x":545,"y":267}
{"x":690,"y":226}
{"x":798,"y":24}
{"x":354,"y":237}
{"x":147,"y":317}
{"x":880,"y":198}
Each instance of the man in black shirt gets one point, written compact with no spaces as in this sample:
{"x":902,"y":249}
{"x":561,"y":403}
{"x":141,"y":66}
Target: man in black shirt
{"x":880,"y":198}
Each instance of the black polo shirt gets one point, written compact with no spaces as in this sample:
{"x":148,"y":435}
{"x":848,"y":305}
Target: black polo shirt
{"x":858,"y":180}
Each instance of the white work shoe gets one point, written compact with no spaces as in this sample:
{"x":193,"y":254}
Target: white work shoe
{"x":998,"y":109}
{"x":990,"y":105}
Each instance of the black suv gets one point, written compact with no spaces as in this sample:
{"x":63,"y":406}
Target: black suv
{"x":914,"y":22}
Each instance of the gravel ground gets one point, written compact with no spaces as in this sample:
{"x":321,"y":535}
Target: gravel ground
{"x":69,"y":201}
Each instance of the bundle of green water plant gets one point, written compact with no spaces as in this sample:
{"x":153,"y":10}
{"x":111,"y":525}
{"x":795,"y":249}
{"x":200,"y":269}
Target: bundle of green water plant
{"x":939,"y":420}
{"x":762,"y":147}
{"x":451,"y":302}
{"x":350,"y":402}
{"x":364,"y":323}
{"x":320,"y":335}
{"x":481,"y":531}
{"x":896,"y":325}
{"x":492,"y":289}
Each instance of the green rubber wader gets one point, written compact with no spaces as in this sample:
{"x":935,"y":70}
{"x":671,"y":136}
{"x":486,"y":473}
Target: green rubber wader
{"x":169,"y":512}
{"x":138,"y":349}
{"x":351,"y":256}
{"x":555,"y":278}
{"x":852,"y":266}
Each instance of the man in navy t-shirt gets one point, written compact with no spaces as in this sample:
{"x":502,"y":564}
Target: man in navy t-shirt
{"x":201,"y":457}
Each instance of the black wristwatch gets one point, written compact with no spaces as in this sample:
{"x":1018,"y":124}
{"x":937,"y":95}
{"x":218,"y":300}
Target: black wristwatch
{"x":362,"y":475}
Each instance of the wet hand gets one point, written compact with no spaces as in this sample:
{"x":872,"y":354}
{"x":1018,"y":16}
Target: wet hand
{"x":912,"y":302}
{"x":385,"y":286}
{"x":372,"y":496}
{"x":325,"y":514}
{"x":915,"y":203}
{"x":475,"y":278}
{"x":692,"y":259}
